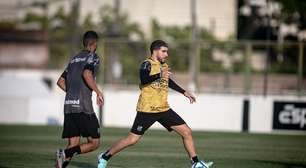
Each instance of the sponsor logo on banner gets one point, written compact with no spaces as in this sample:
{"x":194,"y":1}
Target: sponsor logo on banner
{"x":289,"y":115}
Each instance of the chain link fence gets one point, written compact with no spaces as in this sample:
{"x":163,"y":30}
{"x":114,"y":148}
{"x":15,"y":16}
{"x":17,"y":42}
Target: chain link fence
{"x":243,"y":67}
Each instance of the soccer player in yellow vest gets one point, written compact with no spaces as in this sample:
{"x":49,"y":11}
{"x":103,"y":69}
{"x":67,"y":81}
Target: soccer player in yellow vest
{"x":153,"y":106}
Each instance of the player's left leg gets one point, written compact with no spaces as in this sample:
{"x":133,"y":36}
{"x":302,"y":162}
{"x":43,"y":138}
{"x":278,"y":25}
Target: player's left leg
{"x":185,"y":132}
{"x":172,"y":121}
{"x":72,"y":147}
{"x":188,"y":142}
{"x":91,"y":145}
{"x":90,"y":129}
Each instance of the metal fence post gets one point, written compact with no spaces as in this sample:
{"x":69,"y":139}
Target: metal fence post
{"x":247,"y":69}
{"x":300,"y":70}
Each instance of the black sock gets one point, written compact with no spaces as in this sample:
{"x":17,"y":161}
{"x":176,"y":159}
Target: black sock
{"x":72,"y":151}
{"x":195,"y":159}
{"x":65,"y":164}
{"x":106,"y":155}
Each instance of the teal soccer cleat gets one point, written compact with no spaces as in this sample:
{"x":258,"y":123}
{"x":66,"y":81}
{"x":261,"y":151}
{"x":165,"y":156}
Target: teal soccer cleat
{"x":101,"y":162}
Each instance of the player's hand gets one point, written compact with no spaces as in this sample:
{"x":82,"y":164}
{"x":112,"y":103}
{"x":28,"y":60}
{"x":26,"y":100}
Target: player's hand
{"x":191,"y":98}
{"x":165,"y":72}
{"x":100,"y":99}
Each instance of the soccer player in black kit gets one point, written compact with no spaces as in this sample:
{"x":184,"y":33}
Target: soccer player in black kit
{"x":78,"y":81}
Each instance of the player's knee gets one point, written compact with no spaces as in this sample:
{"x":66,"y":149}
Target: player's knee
{"x":94,"y":144}
{"x":132,"y":140}
{"x":187,"y":133}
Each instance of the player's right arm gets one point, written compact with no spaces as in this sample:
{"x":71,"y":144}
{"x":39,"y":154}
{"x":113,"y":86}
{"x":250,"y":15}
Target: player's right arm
{"x":61,"y":82}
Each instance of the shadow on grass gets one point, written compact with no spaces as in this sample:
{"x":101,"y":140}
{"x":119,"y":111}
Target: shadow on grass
{"x":285,"y":164}
{"x":3,"y":166}
{"x":88,"y":165}
{"x":82,"y":164}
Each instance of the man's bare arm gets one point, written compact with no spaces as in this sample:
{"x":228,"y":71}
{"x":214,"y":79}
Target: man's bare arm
{"x":89,"y":79}
{"x":61,"y":83}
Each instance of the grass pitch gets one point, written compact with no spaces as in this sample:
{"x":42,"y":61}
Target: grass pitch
{"x":34,"y":147}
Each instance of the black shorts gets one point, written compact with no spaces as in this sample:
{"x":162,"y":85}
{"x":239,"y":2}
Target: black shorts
{"x":144,"y":120}
{"x":80,"y":124}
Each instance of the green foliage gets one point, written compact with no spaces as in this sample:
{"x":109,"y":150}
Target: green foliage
{"x":207,"y":63}
{"x":292,"y":6}
{"x":59,"y":39}
{"x":8,"y":24}
{"x":88,"y":23}
{"x":179,"y":38}
{"x":131,"y":56}
{"x":284,"y":68}
{"x":117,"y":25}
{"x":42,"y":21}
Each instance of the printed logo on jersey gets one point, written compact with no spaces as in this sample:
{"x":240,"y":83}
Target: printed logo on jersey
{"x":160,"y":84}
{"x":76,"y":60}
{"x":73,"y":103}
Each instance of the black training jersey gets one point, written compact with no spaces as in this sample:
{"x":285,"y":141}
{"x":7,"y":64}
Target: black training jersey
{"x":78,"y":94}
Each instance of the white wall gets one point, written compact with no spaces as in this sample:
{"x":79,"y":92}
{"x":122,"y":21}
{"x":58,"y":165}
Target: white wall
{"x":44,"y":110}
{"x":13,"y":110}
{"x":210,"y":112}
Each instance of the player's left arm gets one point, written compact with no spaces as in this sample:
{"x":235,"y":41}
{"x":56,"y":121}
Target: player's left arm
{"x":177,"y":88}
{"x":88,"y":76}
{"x":90,"y":81}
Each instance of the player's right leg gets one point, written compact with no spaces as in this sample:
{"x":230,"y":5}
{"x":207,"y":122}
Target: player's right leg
{"x":60,"y":158}
{"x":142,"y":122}
{"x":72,"y":133}
{"x":63,"y":157}
{"x":131,"y":139}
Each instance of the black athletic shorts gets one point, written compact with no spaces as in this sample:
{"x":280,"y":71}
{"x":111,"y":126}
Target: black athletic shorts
{"x":144,"y":120}
{"x":81,"y":124}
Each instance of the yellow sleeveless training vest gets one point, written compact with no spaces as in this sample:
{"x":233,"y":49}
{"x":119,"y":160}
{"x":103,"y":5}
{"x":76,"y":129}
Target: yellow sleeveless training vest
{"x":154,"y":96}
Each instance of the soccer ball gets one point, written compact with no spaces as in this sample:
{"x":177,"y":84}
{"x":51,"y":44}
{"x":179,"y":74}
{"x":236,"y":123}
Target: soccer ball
{"x":201,"y":164}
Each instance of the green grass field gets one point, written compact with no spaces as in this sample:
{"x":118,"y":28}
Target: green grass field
{"x":34,"y":147}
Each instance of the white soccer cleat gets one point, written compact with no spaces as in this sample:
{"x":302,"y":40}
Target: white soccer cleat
{"x":202,"y":164}
{"x":60,"y":158}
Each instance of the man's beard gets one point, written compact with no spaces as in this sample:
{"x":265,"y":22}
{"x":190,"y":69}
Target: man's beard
{"x":162,"y":61}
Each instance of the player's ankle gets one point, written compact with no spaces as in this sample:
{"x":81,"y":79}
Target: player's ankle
{"x":106,"y":155}
{"x":195,"y":159}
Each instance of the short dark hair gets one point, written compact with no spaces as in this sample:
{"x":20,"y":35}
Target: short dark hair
{"x":157,"y":44}
{"x":88,"y":36}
